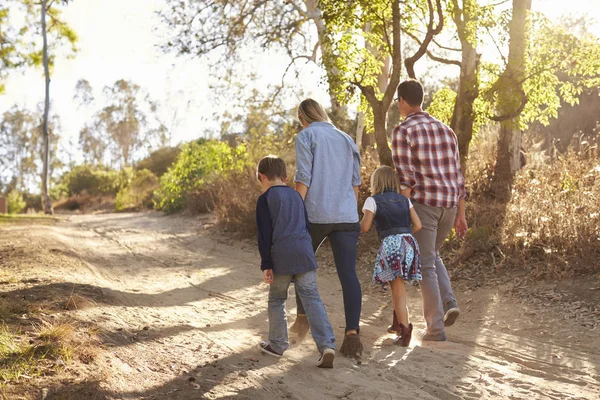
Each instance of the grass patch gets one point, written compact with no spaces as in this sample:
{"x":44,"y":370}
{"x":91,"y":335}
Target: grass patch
{"x":28,"y":218}
{"x":27,"y":354}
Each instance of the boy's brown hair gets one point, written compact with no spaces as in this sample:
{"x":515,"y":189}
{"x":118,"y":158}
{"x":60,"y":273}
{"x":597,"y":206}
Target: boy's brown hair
{"x":272,"y":167}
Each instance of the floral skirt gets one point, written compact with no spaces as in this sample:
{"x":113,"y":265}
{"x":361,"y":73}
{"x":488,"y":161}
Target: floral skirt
{"x":398,"y":257}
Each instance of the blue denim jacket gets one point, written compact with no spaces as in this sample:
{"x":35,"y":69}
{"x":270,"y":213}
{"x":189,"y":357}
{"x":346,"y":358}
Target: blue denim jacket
{"x":328,"y":162}
{"x":393,"y":214}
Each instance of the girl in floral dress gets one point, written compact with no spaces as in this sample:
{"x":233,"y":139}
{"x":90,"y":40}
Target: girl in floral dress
{"x":398,"y":257}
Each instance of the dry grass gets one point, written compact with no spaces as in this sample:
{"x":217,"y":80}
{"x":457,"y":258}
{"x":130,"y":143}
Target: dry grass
{"x":26,"y":354}
{"x":549,"y":228}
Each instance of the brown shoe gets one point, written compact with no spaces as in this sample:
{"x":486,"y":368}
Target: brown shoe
{"x":395,"y":326}
{"x":404,"y":335}
{"x":300,"y":325}
{"x":352,"y":347}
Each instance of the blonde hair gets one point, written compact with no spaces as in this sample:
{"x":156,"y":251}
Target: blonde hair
{"x":383,"y":178}
{"x":311,"y":111}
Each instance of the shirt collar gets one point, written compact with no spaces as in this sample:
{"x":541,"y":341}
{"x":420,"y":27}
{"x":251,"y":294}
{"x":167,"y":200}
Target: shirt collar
{"x":415,"y":114}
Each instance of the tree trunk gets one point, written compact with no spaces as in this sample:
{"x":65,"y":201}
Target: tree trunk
{"x":380,"y":122}
{"x":360,"y":128}
{"x":46,"y":202}
{"x":463,"y":116}
{"x":511,"y":97}
{"x":312,"y":7}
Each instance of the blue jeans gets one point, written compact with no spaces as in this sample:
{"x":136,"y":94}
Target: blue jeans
{"x":343,"y":239}
{"x":306,"y":287}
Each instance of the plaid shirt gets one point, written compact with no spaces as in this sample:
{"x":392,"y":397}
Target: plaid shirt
{"x":425,"y":153}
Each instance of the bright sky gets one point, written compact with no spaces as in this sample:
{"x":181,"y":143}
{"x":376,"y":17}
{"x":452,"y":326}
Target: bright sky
{"x":118,"y":40}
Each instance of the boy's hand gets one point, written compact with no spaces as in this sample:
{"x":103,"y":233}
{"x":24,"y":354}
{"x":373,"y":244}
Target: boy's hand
{"x":268,"y":275}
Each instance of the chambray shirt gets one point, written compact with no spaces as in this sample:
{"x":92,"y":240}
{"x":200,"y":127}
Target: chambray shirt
{"x":328,"y":162}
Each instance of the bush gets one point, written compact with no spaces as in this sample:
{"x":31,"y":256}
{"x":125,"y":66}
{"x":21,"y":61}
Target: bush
{"x":88,"y":179}
{"x":159,"y":161}
{"x":234,"y":201}
{"x":15,"y":202}
{"x":138,"y":193}
{"x":198,"y":164}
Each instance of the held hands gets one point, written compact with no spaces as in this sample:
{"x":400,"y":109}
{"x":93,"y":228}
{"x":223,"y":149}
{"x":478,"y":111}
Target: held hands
{"x":268,"y":276}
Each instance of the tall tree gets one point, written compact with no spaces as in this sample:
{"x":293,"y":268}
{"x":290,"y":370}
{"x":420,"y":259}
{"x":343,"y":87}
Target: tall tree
{"x":466,"y":19}
{"x":365,"y":41}
{"x":122,"y":127}
{"x":46,"y":202}
{"x":511,"y":96}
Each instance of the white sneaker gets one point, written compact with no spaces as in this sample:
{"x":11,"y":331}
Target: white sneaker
{"x":326,"y":359}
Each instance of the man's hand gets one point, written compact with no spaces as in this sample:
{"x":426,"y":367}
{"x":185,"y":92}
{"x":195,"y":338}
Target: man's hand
{"x":268,"y":275}
{"x":460,"y":225}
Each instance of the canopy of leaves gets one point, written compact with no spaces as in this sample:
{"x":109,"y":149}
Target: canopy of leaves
{"x":559,"y":66}
{"x":20,"y":30}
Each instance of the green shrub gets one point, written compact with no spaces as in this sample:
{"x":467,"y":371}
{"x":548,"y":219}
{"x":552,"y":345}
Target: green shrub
{"x":198,"y":164}
{"x":94,"y":180}
{"x":15,"y":201}
{"x":138,"y":193}
{"x":88,"y":179}
{"x":159,"y":161}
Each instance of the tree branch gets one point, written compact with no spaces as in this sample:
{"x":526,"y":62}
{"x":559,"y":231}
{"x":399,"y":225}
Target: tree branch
{"x":431,"y":32}
{"x":443,"y":60}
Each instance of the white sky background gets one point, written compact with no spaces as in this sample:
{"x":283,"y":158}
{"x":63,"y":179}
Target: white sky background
{"x":117,"y":40}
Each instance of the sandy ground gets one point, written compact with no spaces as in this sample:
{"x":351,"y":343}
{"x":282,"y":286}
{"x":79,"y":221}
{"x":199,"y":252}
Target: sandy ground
{"x":180,"y":309}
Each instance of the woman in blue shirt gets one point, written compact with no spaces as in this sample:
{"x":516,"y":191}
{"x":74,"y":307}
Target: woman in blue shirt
{"x":328,"y":178}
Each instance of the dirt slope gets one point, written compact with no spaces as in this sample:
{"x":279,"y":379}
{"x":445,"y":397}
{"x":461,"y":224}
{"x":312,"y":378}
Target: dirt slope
{"x":184,"y":308}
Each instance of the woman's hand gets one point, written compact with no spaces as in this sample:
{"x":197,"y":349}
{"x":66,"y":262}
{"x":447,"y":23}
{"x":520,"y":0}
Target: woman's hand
{"x":268,"y":276}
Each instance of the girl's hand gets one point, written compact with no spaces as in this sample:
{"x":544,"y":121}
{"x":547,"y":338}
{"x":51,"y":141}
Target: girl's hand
{"x":268,"y":276}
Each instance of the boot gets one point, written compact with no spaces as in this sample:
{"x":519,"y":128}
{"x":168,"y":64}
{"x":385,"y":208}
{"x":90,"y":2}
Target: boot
{"x":395,"y":326}
{"x":404,"y":335}
{"x":352,"y":346}
{"x":300,"y":326}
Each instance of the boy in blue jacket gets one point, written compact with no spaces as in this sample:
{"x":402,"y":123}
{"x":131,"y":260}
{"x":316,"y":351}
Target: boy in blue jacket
{"x":287,"y":255}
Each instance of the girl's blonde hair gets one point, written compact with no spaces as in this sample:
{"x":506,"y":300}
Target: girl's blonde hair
{"x":383,"y":178}
{"x":311,"y":111}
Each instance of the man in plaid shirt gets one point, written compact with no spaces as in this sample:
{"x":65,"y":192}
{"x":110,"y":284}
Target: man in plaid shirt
{"x":425,"y":153}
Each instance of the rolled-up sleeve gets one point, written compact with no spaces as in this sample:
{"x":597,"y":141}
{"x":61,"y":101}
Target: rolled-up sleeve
{"x":356,"y":181}
{"x":304,"y":159}
{"x":402,"y":156}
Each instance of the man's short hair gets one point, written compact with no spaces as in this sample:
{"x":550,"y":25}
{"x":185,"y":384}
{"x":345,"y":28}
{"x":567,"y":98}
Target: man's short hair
{"x":272,"y":167}
{"x":411,"y":91}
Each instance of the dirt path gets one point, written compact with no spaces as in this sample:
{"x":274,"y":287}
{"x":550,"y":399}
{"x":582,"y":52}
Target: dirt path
{"x":185,"y":308}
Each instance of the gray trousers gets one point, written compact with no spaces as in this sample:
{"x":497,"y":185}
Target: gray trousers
{"x":435,"y":286}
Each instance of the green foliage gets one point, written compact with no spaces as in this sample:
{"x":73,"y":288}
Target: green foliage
{"x":19,"y":38}
{"x":159,"y":161}
{"x":95,"y":180}
{"x":16,"y":203}
{"x":138,"y":193}
{"x":559,"y":66}
{"x":199,"y":163}
{"x":442,"y":105}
